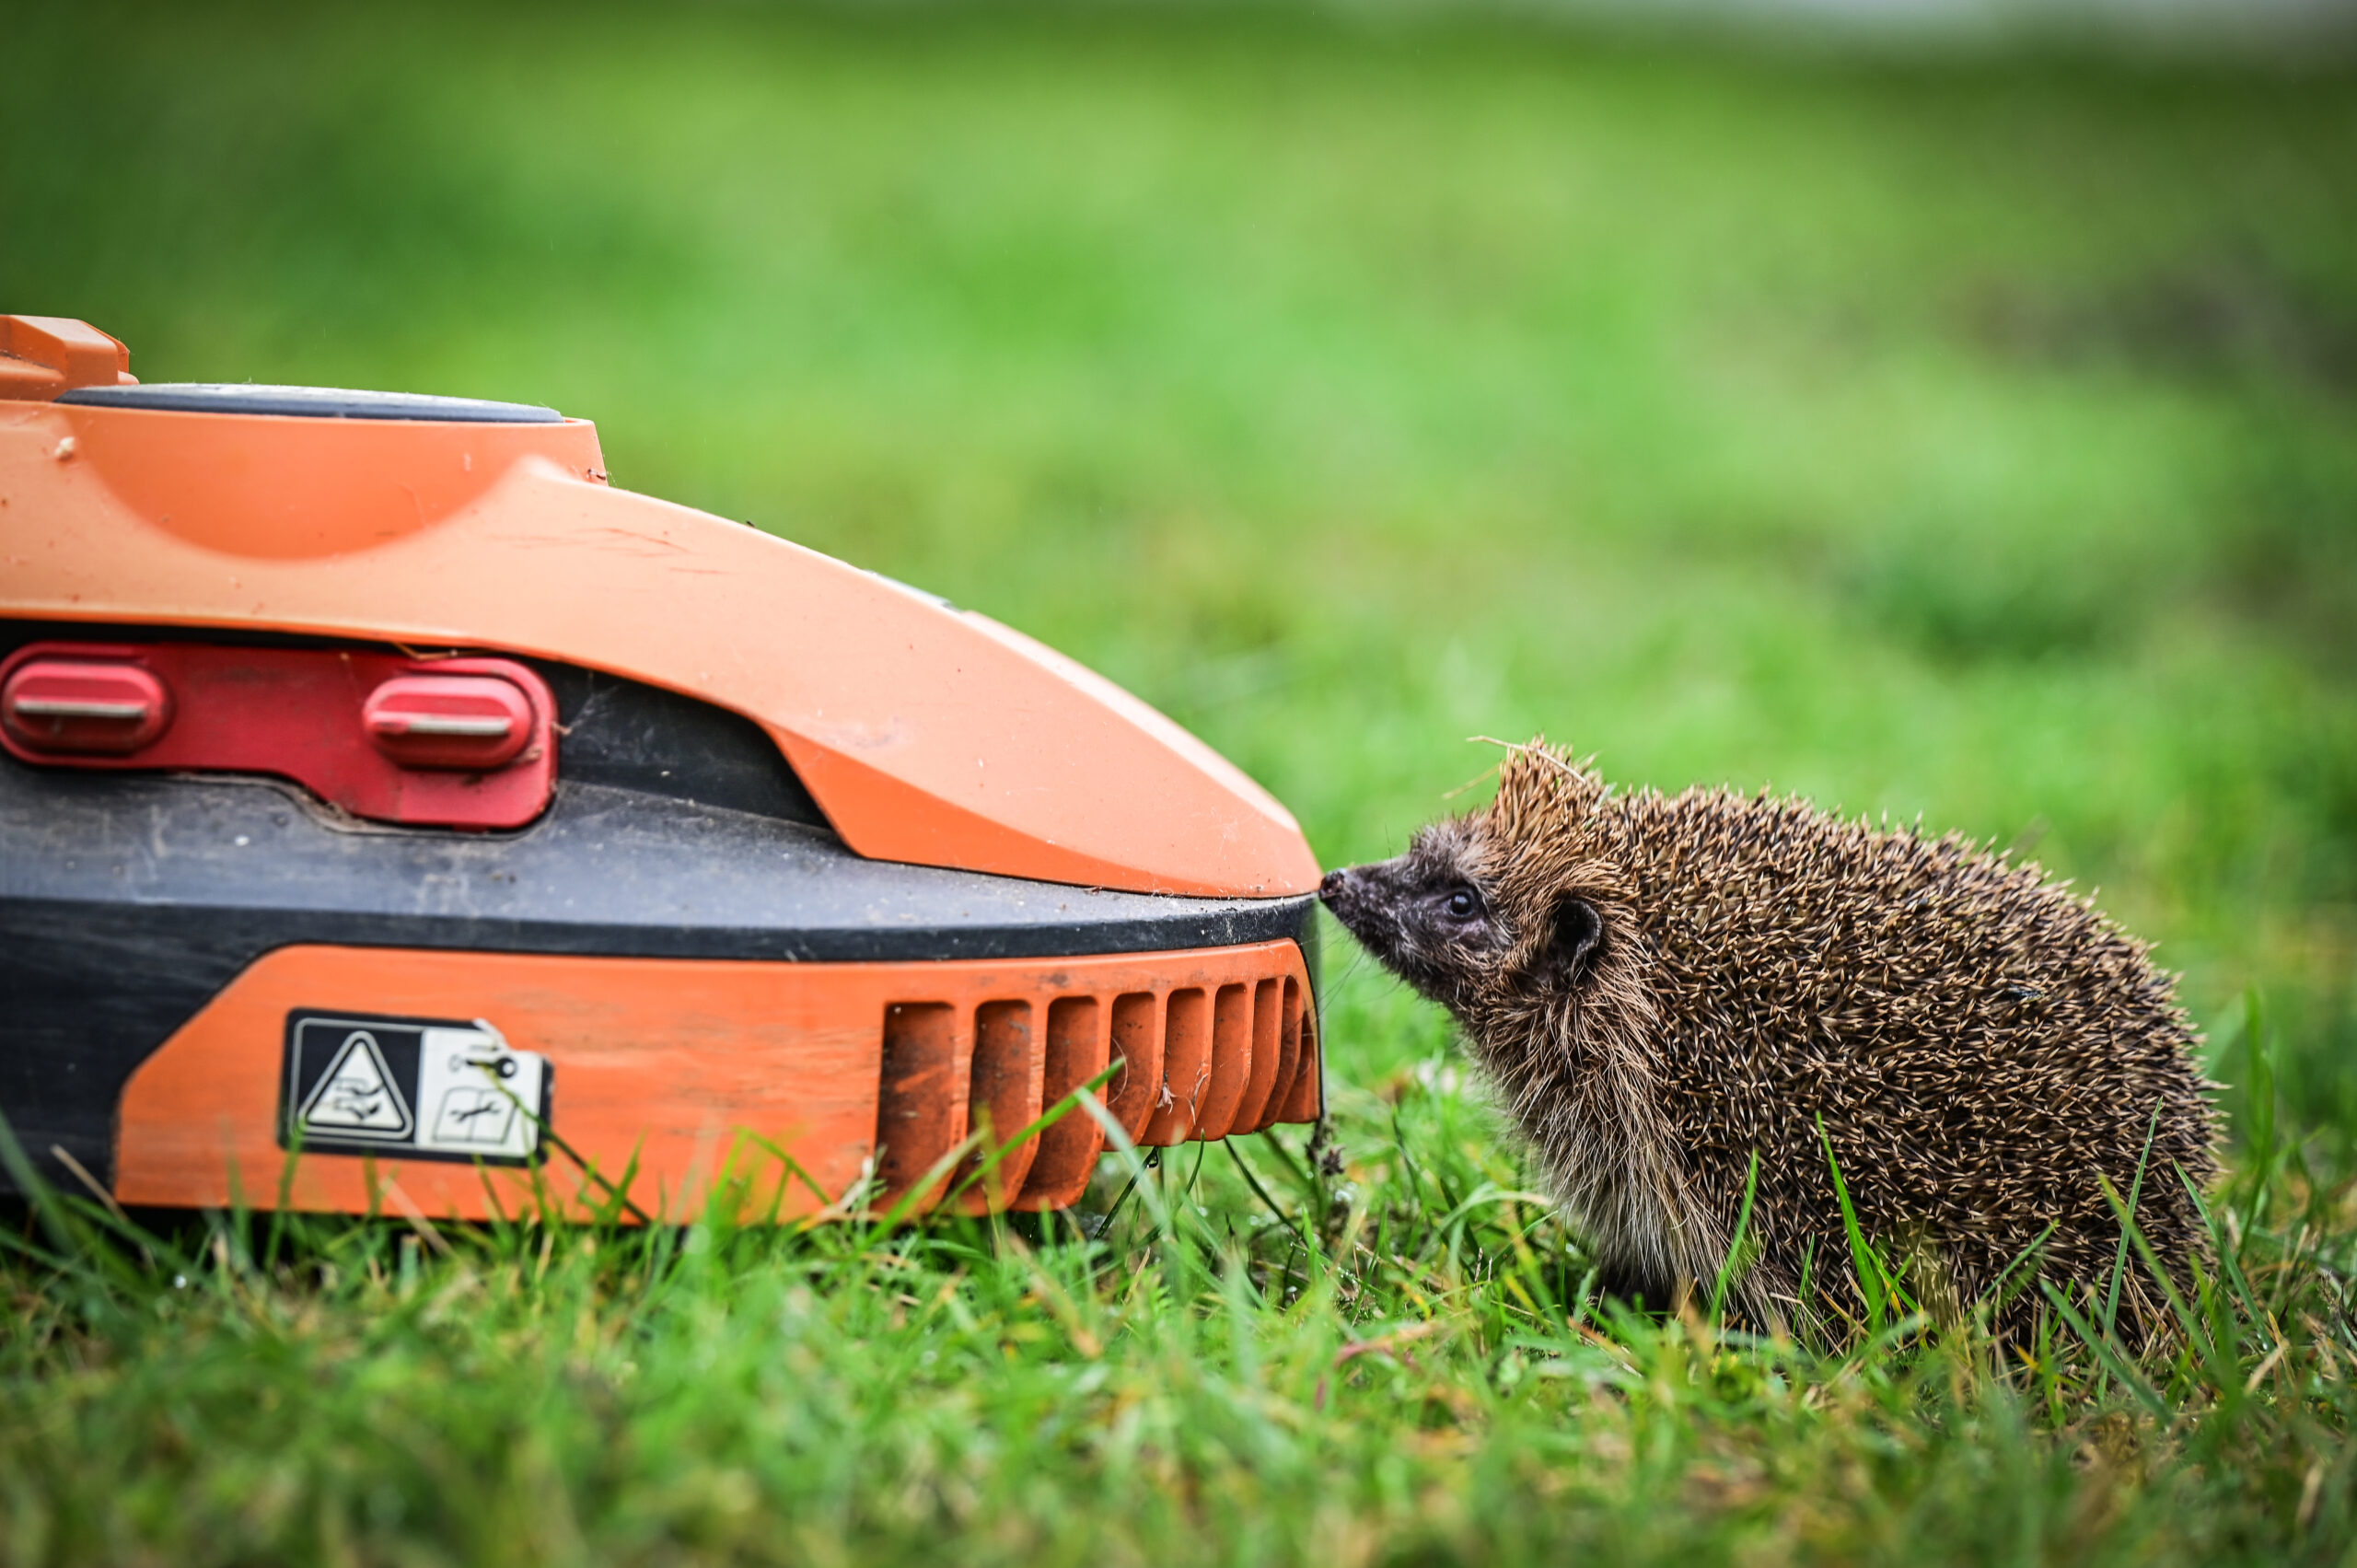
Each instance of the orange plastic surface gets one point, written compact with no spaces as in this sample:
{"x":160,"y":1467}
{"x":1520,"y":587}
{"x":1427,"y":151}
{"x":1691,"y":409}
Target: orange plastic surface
{"x":925,"y":734}
{"x":43,"y":355}
{"x":684,"y":1066}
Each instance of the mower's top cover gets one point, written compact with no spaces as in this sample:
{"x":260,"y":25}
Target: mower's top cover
{"x":925,"y":734}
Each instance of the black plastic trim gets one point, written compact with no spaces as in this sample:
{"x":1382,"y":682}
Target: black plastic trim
{"x":308,"y":402}
{"x":633,"y":736}
{"x":605,"y":870}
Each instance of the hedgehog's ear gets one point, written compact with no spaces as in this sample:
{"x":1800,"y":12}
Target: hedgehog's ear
{"x":1577,"y":929}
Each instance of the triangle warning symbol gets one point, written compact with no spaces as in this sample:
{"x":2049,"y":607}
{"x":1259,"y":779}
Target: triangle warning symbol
{"x":357,"y":1094}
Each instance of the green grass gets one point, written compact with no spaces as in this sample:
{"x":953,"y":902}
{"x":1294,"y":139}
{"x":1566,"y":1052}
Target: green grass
{"x":1968,"y":441}
{"x":1402,"y":1362}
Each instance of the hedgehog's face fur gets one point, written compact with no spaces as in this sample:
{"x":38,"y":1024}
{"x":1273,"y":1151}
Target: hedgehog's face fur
{"x":1519,"y":919}
{"x":1514,"y":917}
{"x":1427,"y":915}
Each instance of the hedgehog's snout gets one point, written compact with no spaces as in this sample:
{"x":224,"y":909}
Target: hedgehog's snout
{"x":1384,"y":905}
{"x":1345,"y":892}
{"x":1348,"y":894}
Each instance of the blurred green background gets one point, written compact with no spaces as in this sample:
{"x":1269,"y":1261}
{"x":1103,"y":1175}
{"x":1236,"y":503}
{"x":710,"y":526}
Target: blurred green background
{"x":1970,"y":440}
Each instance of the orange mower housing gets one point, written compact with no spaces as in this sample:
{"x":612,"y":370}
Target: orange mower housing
{"x":396,"y":815}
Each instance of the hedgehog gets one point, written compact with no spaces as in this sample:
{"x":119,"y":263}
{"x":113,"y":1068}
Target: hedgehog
{"x":1698,"y":1009}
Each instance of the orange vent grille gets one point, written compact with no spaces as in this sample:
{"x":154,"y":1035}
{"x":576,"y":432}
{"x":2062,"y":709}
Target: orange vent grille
{"x":1205,"y":1044}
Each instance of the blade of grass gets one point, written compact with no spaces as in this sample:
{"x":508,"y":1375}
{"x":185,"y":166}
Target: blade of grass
{"x":1261,"y":1193}
{"x":2135,"y":1193}
{"x":1735,"y":1246}
{"x":2115,"y":1360}
{"x":1865,"y":1268}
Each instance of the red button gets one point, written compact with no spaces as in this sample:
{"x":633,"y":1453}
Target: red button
{"x":472,"y":721}
{"x":79,"y":707}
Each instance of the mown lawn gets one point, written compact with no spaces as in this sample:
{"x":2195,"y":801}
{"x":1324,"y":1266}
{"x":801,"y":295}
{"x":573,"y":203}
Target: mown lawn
{"x":1968,"y":441}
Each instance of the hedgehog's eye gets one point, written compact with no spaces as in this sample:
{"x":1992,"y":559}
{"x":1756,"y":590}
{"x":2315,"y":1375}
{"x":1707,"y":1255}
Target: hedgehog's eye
{"x":1463,"y":904}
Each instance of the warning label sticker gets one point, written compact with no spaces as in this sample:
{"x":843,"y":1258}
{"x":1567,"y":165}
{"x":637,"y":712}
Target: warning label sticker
{"x":424,"y":1088}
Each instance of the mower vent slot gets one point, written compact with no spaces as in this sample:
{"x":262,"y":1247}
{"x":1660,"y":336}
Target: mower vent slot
{"x":1265,"y":1061}
{"x":1194,"y":1063}
{"x":921,"y":1104}
{"x":1186,"y":1068}
{"x":1075,"y":1054}
{"x":1306,"y":1100}
{"x":1294,"y":1027}
{"x":1131,"y":1094}
{"x":1231,"y":1064}
{"x":1003,"y":1098}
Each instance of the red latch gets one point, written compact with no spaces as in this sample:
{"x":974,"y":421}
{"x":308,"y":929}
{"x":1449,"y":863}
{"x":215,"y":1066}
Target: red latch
{"x":455,"y":742}
{"x":472,"y":721}
{"x":81,"y":707}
